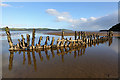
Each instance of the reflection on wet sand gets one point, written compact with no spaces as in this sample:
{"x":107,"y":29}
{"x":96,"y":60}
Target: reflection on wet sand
{"x":78,"y":51}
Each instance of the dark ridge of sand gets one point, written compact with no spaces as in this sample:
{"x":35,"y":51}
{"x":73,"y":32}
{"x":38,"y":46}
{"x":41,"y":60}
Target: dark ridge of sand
{"x":116,"y":34}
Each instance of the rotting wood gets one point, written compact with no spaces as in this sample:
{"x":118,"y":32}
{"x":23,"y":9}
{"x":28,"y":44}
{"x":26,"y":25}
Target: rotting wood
{"x":82,"y":40}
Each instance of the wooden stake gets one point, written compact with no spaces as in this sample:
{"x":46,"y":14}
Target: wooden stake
{"x":20,"y":43}
{"x":79,"y":35}
{"x":33,"y":39}
{"x":18,"y":46}
{"x":23,"y":41}
{"x":62,"y":34}
{"x":62,"y":42}
{"x":9,"y":38}
{"x":66,"y":42}
{"x":28,"y":40}
{"x":47,"y":38}
{"x":53,"y":39}
{"x":70,"y":43}
{"x":58,"y":42}
{"x":39,"y":43}
{"x":75,"y":35}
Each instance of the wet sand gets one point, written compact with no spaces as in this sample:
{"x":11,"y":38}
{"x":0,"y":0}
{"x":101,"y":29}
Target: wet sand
{"x":98,"y":61}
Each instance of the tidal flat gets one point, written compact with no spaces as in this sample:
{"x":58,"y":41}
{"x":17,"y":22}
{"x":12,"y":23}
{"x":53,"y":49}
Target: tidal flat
{"x":95,"y":61}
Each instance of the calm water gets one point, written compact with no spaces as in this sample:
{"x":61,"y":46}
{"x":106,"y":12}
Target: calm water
{"x":99,"y":61}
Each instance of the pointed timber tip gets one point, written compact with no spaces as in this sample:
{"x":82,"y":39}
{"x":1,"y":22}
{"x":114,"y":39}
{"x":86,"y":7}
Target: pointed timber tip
{"x":6,"y":26}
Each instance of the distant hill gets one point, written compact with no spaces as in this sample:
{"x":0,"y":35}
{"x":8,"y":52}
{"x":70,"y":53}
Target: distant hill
{"x":115,"y":27}
{"x":37,"y":29}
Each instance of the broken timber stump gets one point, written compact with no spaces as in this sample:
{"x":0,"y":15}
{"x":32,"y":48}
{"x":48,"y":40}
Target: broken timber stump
{"x":28,"y":41}
{"x":33,"y":39}
{"x":53,"y":39}
{"x":79,"y":35}
{"x":75,"y":35}
{"x":82,"y":40}
{"x":23,"y":42}
{"x":38,"y":46}
{"x":9,"y":38}
{"x":62,"y":34}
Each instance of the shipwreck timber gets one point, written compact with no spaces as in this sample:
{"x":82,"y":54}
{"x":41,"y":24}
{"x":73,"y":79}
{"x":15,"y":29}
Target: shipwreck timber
{"x":81,"y":39}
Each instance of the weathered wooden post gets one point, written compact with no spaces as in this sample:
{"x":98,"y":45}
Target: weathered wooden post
{"x":9,"y":38}
{"x":38,"y":46}
{"x":20,"y":43}
{"x":88,"y":39}
{"x":58,"y":40}
{"x":47,"y":38}
{"x":53,"y":39}
{"x":82,"y":35}
{"x":62,"y":34}
{"x":93,"y":35}
{"x":39,"y":43}
{"x":18,"y":46}
{"x":66,"y":42}
{"x":97,"y":35}
{"x":94,"y":38}
{"x":110,"y":33}
{"x":74,"y":43}
{"x":62,"y":43}
{"x":28,"y":41}
{"x":33,"y":39}
{"x":79,"y":35}
{"x":91,"y":39}
{"x":23,"y":42}
{"x":70,"y":42}
{"x":75,"y":35}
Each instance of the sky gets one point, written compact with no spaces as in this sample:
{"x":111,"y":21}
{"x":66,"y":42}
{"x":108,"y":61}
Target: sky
{"x":60,"y":15}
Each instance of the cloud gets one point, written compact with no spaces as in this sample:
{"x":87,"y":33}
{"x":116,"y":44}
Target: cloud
{"x":104,"y":22}
{"x":63,"y":16}
{"x":5,"y":5}
{"x":92,"y":23}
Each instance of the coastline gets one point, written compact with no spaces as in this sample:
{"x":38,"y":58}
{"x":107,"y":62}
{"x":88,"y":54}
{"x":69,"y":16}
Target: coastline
{"x":59,"y":33}
{"x":72,"y":33}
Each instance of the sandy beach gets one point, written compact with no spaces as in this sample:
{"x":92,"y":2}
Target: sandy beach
{"x":116,"y":34}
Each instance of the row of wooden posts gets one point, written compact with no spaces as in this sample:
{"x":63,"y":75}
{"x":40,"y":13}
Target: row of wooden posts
{"x":82,"y":40}
{"x":60,"y":51}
